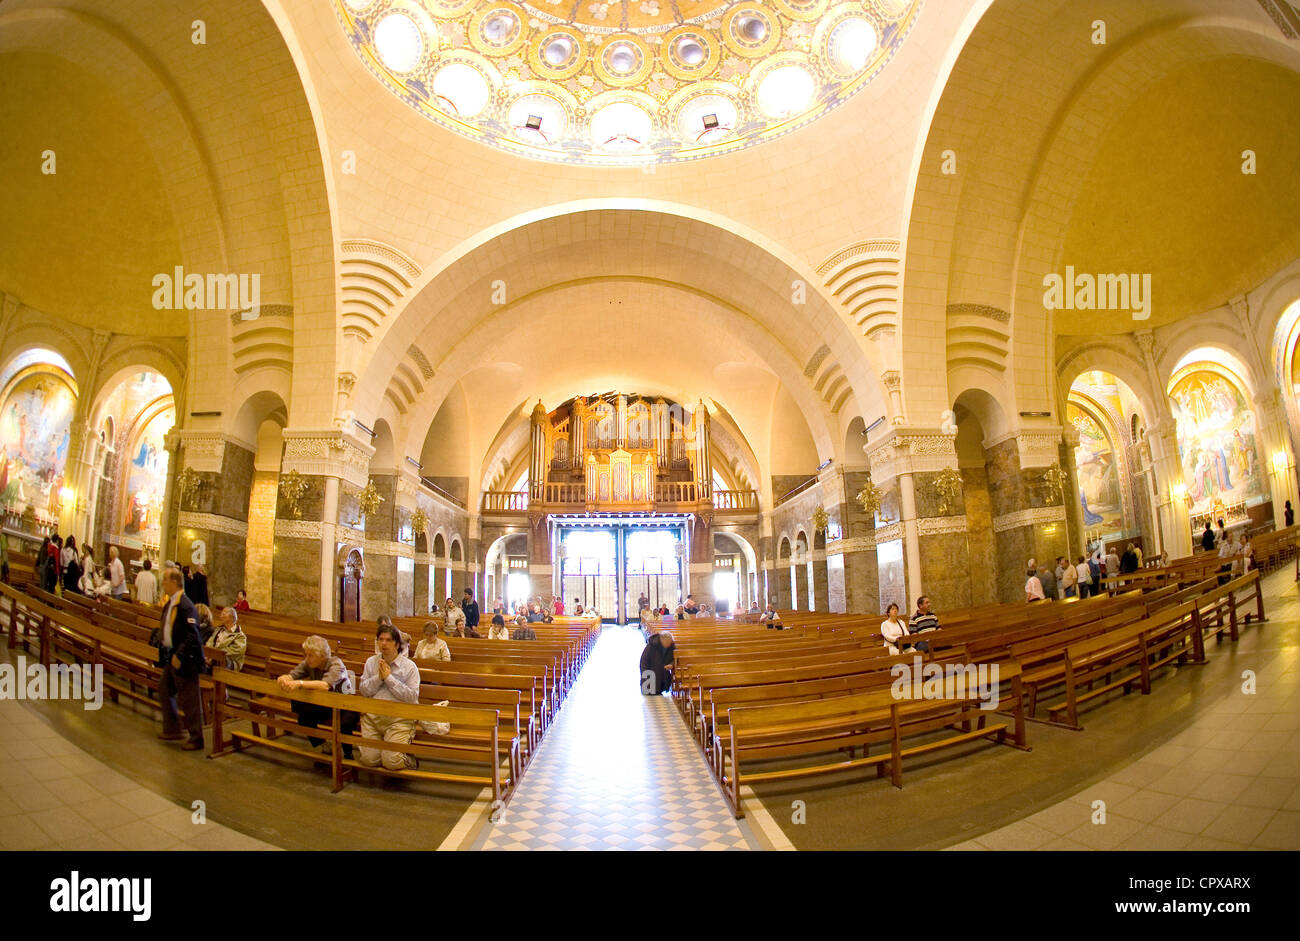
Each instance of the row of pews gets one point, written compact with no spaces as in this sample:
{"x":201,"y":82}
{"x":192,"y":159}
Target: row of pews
{"x":825,"y":696}
{"x":480,"y":719}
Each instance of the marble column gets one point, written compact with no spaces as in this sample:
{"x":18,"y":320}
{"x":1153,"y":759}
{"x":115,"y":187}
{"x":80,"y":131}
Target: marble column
{"x":420,"y":597}
{"x":1028,"y":520}
{"x":541,"y":563}
{"x":821,"y":581}
{"x":1175,"y":525}
{"x":380,"y":593}
{"x":212,"y":523}
{"x":852,"y":575}
{"x":1075,"y":529}
{"x":700,"y":558}
{"x":781,"y":575}
{"x":801,"y":598}
{"x":308,"y":545}
{"x":979,"y":534}
{"x":943,"y":545}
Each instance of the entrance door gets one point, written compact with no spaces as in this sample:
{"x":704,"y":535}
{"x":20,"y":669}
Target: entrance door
{"x":589,"y":572}
{"x":653,"y":570}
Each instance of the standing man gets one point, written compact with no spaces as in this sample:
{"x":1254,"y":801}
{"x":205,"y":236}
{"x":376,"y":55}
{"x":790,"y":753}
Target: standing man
{"x":1048,"y":580}
{"x":470,"y":607}
{"x":117,"y":575}
{"x":1207,"y":538}
{"x":180,"y":654}
{"x":146,"y":585}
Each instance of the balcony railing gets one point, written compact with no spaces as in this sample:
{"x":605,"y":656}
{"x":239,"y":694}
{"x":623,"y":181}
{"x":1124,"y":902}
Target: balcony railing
{"x":676,"y":491}
{"x":566,"y":493}
{"x":505,"y":501}
{"x":795,"y":491}
{"x":735,"y":500}
{"x":442,"y":493}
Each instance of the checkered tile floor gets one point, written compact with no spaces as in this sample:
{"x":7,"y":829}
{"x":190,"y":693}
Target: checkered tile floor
{"x":617,"y":770}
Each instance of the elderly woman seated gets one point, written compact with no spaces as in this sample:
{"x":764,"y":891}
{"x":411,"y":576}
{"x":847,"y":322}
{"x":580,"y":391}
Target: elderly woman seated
{"x":320,"y":669}
{"x":229,"y":639}
{"x":431,"y":646}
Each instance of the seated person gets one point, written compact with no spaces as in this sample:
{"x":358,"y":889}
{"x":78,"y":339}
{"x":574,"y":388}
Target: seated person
{"x":681,"y":612}
{"x":523,"y":632}
{"x":924,"y":619}
{"x":431,"y":646}
{"x":535,"y":614}
{"x":691,"y":607}
{"x":498,"y":630}
{"x":393,"y":676}
{"x":770,"y":616}
{"x":320,"y":669}
{"x":229,"y":639}
{"x":241,"y":600}
{"x":577,"y":607}
{"x":894,"y":628}
{"x":206,"y":629}
{"x":93,"y":584}
{"x":753,"y":607}
{"x":657,"y":664}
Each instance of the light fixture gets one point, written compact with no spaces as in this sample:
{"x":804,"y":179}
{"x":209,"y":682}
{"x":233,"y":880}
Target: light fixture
{"x":398,"y":42}
{"x":785,"y":91}
{"x":1279,"y":461}
{"x":463,"y":88}
{"x":621,"y":126}
{"x":66,"y":494}
{"x":851,"y":43}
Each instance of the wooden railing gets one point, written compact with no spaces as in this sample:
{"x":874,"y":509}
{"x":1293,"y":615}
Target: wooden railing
{"x":676,"y":491}
{"x":505,"y":501}
{"x":566,"y":493}
{"x":735,"y":500}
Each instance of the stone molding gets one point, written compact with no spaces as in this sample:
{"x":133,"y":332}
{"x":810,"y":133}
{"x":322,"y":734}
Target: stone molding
{"x":387,"y":548}
{"x":328,"y":454}
{"x":187,"y":519}
{"x":980,"y":310}
{"x":1029,"y":517}
{"x":905,"y":451}
{"x":299,"y":529}
{"x":869,"y":246}
{"x":1034,"y":448}
{"x":540,"y":568}
{"x":938,"y":525}
{"x":205,"y":450}
{"x":852,"y":544}
{"x":700,"y":568}
{"x":889,"y":533}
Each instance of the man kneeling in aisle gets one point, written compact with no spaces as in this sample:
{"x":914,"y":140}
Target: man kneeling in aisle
{"x":390,"y":675}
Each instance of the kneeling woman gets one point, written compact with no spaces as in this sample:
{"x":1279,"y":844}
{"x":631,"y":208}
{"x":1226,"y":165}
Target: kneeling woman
{"x":657,"y":664}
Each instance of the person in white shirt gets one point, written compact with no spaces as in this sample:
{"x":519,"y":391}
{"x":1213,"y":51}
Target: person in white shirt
{"x":453,"y":619}
{"x":393,"y":676}
{"x":1084,"y":573}
{"x":146,"y":585}
{"x":116,"y":574}
{"x":431,"y":646}
{"x":892,"y":628}
{"x":1112,"y":564}
{"x":1034,"y":587}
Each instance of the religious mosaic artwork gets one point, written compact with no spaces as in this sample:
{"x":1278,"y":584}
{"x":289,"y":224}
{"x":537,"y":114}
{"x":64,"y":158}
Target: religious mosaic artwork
{"x":628,"y":82}
{"x":1216,"y":441}
{"x":1095,"y":463}
{"x":34,"y":431}
{"x":146,"y":478}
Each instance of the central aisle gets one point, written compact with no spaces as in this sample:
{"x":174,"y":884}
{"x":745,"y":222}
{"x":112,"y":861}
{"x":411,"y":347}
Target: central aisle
{"x":617,"y":770}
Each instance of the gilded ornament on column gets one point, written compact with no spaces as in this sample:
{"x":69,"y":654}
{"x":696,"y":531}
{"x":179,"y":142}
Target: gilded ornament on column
{"x":1055,"y":479}
{"x":869,"y":496}
{"x":293,"y":486}
{"x":419,"y":523}
{"x":948,"y":485}
{"x":187,"y":483}
{"x":368,"y":500}
{"x":820,"y":519}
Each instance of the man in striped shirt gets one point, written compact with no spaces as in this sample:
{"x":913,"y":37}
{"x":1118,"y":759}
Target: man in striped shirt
{"x":924,"y":619}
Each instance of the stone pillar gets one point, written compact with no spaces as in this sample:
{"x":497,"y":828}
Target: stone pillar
{"x":1275,"y":452}
{"x":212,"y":523}
{"x":423,"y":578}
{"x":801,"y":598}
{"x":979,"y":534}
{"x":1075,"y":530}
{"x":699,"y":556}
{"x":1175,"y":525}
{"x":1028,"y":520}
{"x":942,"y":542}
{"x":820,"y":581}
{"x":784,"y":599}
{"x":853,"y":583}
{"x":334,"y":465}
{"x":541,"y":557}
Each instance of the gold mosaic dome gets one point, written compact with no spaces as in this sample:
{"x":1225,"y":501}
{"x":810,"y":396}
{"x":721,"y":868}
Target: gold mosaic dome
{"x":624,"y":83}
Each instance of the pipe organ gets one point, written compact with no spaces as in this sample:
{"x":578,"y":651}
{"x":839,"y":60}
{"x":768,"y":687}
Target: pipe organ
{"x":620,"y":452}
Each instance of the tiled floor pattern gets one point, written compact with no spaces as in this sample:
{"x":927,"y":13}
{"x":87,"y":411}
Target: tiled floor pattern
{"x":617,"y":770}
{"x":54,"y":796}
{"x":1230,"y":781}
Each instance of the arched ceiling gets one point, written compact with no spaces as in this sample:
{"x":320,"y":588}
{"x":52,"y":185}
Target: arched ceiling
{"x":84,"y":241}
{"x":1168,"y":174}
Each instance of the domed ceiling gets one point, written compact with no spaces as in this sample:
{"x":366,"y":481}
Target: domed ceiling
{"x":624,"y":83}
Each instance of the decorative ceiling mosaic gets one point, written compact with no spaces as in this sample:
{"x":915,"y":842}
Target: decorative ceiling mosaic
{"x":625,"y":83}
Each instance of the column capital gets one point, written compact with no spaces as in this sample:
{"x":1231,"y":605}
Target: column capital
{"x":1035,"y":448}
{"x":204,"y":450}
{"x":327,"y":453}
{"x":909,"y":449}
